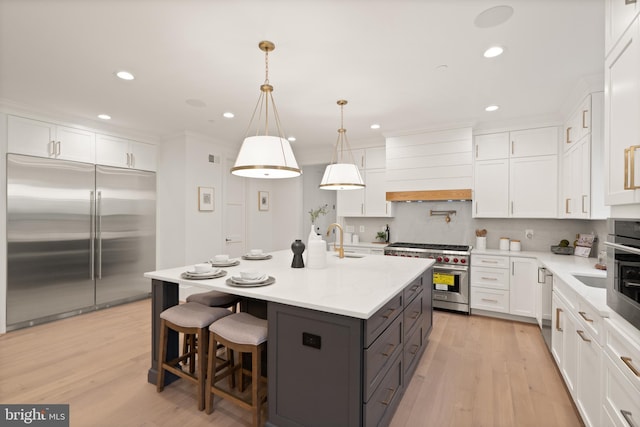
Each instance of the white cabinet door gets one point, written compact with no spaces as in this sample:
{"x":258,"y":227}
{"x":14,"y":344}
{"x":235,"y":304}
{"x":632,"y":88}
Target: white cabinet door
{"x":589,"y":397}
{"x":350,"y":202}
{"x":569,"y":367}
{"x":42,"y":139}
{"x":31,"y":137}
{"x":523,"y":285}
{"x":534,"y":142}
{"x":375,"y":158}
{"x":619,"y":14}
{"x":491,"y":146}
{"x":375,"y":203}
{"x":359,"y":158}
{"x":534,"y":187}
{"x":143,"y":156}
{"x":622,"y":118}
{"x":576,"y":178}
{"x":557,"y":329}
{"x":112,"y":151}
{"x":491,"y":189}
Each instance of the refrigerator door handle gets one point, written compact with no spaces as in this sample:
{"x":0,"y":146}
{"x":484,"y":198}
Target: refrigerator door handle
{"x":92,"y":236}
{"x":99,"y":232}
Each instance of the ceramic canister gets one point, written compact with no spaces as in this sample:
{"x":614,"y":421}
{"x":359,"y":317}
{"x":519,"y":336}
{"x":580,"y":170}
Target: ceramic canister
{"x":515,"y":245}
{"x":504,"y":243}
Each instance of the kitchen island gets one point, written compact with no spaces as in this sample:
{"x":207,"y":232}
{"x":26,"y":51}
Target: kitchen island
{"x":343,"y":340}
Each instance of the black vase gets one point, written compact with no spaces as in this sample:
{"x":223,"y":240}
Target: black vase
{"x":297,"y":247}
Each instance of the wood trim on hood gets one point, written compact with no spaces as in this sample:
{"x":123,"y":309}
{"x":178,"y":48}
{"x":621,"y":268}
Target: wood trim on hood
{"x":406,"y":196}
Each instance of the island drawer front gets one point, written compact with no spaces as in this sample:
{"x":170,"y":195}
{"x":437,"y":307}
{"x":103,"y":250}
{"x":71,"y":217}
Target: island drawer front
{"x":380,"y":355}
{"x":412,"y":349}
{"x":490,"y":261}
{"x":624,"y":352}
{"x":591,"y":320}
{"x":381,"y":319}
{"x":386,"y":397}
{"x":412,"y":315}
{"x":486,"y":277}
{"x":411,"y":291}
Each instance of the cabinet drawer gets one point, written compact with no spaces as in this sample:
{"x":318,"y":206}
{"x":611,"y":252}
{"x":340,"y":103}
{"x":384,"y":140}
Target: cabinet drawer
{"x":412,"y":315}
{"x":490,"y":299}
{"x":486,"y":277}
{"x":412,"y":347}
{"x":386,"y":397}
{"x":591,"y":320}
{"x":624,"y":352}
{"x":620,"y":397}
{"x":412,"y":290}
{"x":490,"y":261}
{"x":381,"y":319}
{"x":378,"y":357}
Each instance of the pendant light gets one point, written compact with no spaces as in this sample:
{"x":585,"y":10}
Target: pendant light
{"x":342,"y":173}
{"x":264,"y":155}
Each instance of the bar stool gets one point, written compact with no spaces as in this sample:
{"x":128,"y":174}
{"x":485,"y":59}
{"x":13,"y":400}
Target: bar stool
{"x":210,"y":299}
{"x":189,"y":319}
{"x":242,"y":333}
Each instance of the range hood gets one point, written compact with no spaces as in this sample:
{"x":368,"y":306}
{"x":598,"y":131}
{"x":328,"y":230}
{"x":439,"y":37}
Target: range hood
{"x":435,"y":195}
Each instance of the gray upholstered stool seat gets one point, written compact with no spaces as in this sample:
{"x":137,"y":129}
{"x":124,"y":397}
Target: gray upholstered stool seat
{"x":214,"y":299}
{"x":241,"y":328}
{"x":190,"y":319}
{"x":241,"y":333}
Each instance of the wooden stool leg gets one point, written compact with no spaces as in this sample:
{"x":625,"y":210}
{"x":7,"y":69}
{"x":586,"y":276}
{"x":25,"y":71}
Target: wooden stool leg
{"x":231,"y":364}
{"x":162,"y":351}
{"x":255,"y":385}
{"x":211,"y":373}
{"x":202,"y":337}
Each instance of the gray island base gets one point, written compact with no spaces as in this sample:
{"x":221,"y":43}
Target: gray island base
{"x":339,"y":364}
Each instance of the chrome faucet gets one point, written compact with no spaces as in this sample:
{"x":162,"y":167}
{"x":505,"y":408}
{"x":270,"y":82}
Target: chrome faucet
{"x":340,"y":249}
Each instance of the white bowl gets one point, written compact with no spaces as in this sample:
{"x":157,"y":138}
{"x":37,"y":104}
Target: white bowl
{"x":251,"y":274}
{"x":203,"y":268}
{"x":221,"y":258}
{"x":255,"y":252}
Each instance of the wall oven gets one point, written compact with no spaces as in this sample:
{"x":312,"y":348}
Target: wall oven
{"x":623,"y":268}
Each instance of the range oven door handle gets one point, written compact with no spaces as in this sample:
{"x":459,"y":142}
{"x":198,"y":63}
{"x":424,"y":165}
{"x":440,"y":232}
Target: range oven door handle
{"x":623,"y":247}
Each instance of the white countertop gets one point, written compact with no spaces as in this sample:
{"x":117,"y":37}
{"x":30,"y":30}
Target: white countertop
{"x":564,"y":267}
{"x":355,"y":287}
{"x":374,"y":245}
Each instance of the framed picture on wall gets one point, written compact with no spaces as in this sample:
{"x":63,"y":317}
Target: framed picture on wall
{"x":205,"y":199}
{"x":263,"y":200}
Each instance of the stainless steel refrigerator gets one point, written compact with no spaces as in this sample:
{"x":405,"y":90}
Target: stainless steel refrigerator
{"x":79,"y":237}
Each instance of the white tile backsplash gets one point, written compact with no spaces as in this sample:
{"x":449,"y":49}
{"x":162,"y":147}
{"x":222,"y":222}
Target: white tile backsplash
{"x":412,"y":223}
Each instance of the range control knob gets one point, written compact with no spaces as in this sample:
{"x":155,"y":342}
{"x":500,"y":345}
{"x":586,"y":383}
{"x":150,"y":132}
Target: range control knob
{"x":446,"y":259}
{"x":463,"y":261}
{"x":439,"y":259}
{"x":455,"y":260}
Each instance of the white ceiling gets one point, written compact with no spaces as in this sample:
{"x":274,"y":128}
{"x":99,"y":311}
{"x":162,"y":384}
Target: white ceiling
{"x":382,"y":56}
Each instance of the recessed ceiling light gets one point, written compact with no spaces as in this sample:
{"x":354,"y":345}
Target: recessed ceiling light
{"x":125,"y":75}
{"x":198,"y":103}
{"x":104,"y":116}
{"x":493,"y":51}
{"x":493,"y":16}
{"x":228,"y":115}
{"x":491,"y":108}
{"x":375,"y":126}
{"x":291,"y":139}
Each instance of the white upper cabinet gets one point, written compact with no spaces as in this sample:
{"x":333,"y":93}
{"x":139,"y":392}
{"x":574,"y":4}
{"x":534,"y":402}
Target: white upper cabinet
{"x":492,"y":146}
{"x":622,"y":119}
{"x":516,"y":174}
{"x":121,"y":152}
{"x":375,"y":158}
{"x":42,"y":139}
{"x":534,"y":142}
{"x":619,"y":14}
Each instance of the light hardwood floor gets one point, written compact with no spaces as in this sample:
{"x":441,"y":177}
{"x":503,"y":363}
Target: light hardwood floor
{"x":475,"y":372}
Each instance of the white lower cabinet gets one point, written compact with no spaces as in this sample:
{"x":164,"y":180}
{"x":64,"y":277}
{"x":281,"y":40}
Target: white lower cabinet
{"x":578,"y":352}
{"x":504,"y":284}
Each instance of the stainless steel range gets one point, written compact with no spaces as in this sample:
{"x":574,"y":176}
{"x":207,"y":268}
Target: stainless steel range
{"x":450,"y":272}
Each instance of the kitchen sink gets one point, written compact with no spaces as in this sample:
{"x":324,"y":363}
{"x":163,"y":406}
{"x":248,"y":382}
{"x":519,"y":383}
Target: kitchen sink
{"x":591,"y":281}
